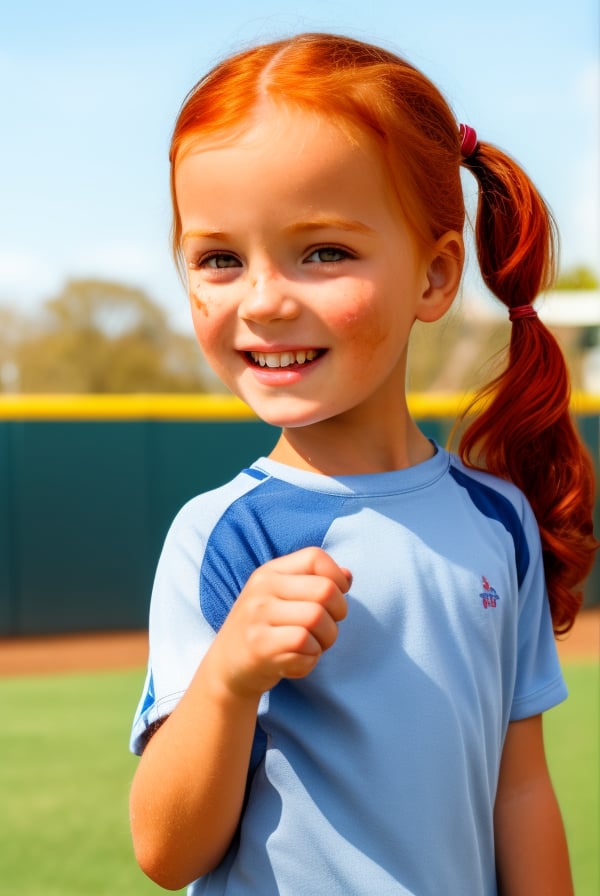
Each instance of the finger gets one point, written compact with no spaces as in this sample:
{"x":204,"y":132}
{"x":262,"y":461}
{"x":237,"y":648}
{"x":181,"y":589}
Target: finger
{"x":310,"y":589}
{"x":264,"y":655}
{"x":349,"y":578}
{"x":307,"y":616}
{"x":296,"y":665}
{"x":315,"y":561}
{"x":287,"y":640}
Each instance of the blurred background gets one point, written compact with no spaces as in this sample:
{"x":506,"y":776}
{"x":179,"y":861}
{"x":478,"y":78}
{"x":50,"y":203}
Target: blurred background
{"x":89,"y":298}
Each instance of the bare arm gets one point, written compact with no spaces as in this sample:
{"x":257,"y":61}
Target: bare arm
{"x":187,"y":793}
{"x":531,"y":848}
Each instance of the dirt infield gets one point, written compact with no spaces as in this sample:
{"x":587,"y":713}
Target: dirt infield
{"x":128,"y":650}
{"x":73,"y":653}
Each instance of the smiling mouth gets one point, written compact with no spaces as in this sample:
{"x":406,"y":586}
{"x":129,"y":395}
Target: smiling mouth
{"x":276,"y":360}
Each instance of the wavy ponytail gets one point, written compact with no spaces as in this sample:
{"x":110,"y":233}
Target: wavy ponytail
{"x":524,"y":431}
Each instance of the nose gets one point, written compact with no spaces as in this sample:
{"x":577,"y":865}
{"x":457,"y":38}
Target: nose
{"x":268,"y":296}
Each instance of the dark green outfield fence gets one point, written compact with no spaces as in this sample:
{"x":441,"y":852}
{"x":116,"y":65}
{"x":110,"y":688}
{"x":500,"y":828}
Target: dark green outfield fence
{"x":89,"y":486}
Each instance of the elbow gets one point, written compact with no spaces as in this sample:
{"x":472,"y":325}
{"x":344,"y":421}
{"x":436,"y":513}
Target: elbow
{"x":161,"y":858}
{"x":156,"y":867}
{"x":156,"y":845}
{"x":171,"y":846}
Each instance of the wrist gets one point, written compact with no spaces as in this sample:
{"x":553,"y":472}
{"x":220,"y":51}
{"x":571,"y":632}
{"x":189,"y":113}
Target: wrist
{"x":228,"y":687}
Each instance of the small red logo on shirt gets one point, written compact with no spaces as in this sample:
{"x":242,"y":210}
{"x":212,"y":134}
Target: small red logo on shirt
{"x":489,"y":596}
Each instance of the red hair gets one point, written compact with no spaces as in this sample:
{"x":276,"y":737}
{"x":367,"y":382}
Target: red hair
{"x":524,"y":432}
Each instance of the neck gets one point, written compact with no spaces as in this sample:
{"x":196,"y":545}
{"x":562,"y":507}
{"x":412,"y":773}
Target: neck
{"x":335,"y":449}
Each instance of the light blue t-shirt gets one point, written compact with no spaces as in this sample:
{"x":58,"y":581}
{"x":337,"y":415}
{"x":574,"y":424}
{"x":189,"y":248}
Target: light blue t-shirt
{"x":376,"y":774}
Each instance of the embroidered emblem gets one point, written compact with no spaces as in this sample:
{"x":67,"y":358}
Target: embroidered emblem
{"x":489,"y":596}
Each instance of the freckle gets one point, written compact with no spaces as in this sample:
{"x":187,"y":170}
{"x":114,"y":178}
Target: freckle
{"x":200,"y":305}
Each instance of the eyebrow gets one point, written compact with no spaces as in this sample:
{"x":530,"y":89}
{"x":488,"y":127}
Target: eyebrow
{"x":205,"y":234}
{"x":324,"y":223}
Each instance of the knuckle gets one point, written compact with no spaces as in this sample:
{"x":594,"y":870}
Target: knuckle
{"x":314,"y":554}
{"x":302,"y":641}
{"x":257,"y":643}
{"x":300,"y":667}
{"x":259,"y":578}
{"x":314,"y":615}
{"x":325,"y":590}
{"x":329,"y":637}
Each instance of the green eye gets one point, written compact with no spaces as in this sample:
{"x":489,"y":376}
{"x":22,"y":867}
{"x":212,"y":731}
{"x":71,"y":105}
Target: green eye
{"x":327,"y":254}
{"x":220,"y":260}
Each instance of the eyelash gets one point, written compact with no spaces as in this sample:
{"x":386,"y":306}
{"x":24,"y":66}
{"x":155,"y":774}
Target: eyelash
{"x":204,"y":261}
{"x":344,"y":253}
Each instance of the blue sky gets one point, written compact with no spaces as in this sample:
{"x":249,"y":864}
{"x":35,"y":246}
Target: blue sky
{"x":89,"y":94}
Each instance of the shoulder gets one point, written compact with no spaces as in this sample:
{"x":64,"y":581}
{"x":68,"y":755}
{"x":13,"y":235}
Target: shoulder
{"x":192,"y":530}
{"x":200,"y":514}
{"x":500,"y":502}
{"x":489,"y":491}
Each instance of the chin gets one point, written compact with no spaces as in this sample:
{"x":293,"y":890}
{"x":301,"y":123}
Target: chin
{"x":285,"y":418}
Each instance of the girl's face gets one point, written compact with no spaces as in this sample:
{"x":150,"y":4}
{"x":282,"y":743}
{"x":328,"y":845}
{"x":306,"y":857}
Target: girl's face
{"x":304,"y":278}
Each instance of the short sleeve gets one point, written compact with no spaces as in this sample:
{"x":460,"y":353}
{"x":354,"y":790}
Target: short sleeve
{"x":539,"y":683}
{"x":178,"y":633}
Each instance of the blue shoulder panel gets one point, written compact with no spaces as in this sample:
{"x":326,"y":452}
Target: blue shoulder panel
{"x":149,"y":696}
{"x":496,"y":506}
{"x":271,"y":520}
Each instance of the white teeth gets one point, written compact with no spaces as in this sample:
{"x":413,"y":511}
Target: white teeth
{"x":283,"y":359}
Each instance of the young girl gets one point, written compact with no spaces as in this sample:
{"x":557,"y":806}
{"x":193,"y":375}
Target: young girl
{"x":351,"y":643}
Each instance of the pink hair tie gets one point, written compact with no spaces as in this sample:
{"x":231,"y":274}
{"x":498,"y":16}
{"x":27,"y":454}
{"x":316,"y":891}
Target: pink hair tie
{"x":468,"y":140}
{"x":521,"y":311}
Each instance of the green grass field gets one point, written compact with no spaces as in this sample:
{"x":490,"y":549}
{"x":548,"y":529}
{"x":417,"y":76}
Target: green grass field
{"x":572,"y":734}
{"x":65,"y":773}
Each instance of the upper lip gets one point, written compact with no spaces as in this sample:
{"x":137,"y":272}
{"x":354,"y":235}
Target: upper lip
{"x":278,"y":349}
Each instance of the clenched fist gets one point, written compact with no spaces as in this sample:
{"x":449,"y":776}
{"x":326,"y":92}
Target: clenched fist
{"x":285,"y":617}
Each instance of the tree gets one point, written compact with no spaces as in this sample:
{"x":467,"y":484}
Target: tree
{"x":580,"y":277}
{"x":101,"y":336}
{"x":13,"y":326}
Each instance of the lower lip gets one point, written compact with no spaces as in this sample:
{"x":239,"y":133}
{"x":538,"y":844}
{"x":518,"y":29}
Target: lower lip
{"x":282,"y":376}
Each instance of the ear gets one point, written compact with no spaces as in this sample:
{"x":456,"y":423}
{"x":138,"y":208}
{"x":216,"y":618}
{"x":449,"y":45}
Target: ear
{"x":444,"y":271}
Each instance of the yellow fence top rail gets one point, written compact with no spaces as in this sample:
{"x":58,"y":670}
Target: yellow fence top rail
{"x":123,"y":407}
{"x":208,"y":407}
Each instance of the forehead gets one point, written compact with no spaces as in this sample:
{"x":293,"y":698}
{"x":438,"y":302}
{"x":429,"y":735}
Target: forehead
{"x":273,"y":117}
{"x":281,"y":149}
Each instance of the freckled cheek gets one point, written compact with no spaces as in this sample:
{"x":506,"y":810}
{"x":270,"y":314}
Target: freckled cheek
{"x":362,"y":327}
{"x":202,"y":303}
{"x":210,"y":326}
{"x":199,"y":302}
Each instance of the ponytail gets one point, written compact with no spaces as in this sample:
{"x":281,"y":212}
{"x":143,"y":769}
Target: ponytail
{"x":524,"y":431}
